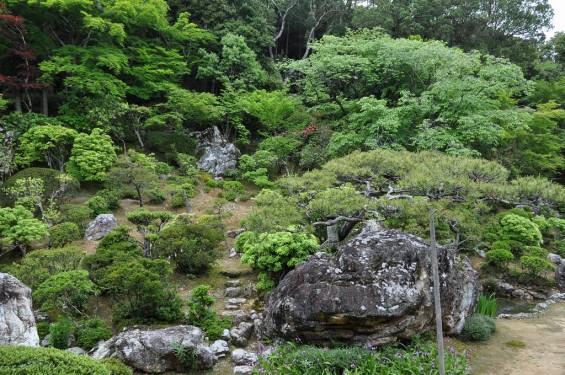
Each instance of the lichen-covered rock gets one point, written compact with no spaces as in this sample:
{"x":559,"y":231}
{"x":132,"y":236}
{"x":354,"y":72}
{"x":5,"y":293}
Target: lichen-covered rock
{"x":17,"y":323}
{"x":100,"y":227}
{"x":377,"y":289}
{"x":156,"y":350}
{"x":219,"y":154}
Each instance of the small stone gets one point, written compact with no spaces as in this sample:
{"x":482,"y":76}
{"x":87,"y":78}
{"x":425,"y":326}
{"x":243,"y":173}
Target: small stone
{"x":45,"y":341}
{"x":232,"y":284}
{"x":234,"y":292}
{"x":243,"y":357}
{"x":237,"y":316}
{"x":251,"y":290}
{"x":225,"y":335}
{"x":241,"y":334}
{"x":243,"y":370}
{"x":76,"y":350}
{"x":554,"y":258}
{"x":220,"y":348}
{"x":254,"y":316}
{"x":100,"y":227}
{"x":518,"y":293}
{"x":237,"y":301}
{"x":231,"y":307}
{"x":233,"y":253}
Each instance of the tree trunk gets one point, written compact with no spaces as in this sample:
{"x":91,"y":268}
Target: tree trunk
{"x":18,"y":102}
{"x":44,"y":102}
{"x":138,"y":135}
{"x":436,"y":288}
{"x":139,"y":197}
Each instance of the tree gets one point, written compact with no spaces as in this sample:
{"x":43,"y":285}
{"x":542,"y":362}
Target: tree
{"x":91,"y":156}
{"x":148,"y":223}
{"x":65,"y":292}
{"x":135,"y":170}
{"x":18,"y":228}
{"x":50,"y":143}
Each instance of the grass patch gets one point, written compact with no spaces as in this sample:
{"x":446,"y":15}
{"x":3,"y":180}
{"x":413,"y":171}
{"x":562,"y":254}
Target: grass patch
{"x":516,"y":344}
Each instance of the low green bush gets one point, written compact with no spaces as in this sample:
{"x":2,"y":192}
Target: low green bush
{"x":534,"y":266}
{"x":60,"y":332}
{"x":419,"y":358}
{"x":64,"y":233}
{"x":478,"y":328}
{"x":559,"y":247}
{"x":77,"y":213}
{"x":499,"y":257}
{"x":112,"y":197}
{"x":23,"y":360}
{"x":500,"y":245}
{"x":490,"y":285}
{"x":155,"y":196}
{"x":201,"y":314}
{"x":536,"y":251}
{"x":91,"y":331}
{"x":98,"y":205}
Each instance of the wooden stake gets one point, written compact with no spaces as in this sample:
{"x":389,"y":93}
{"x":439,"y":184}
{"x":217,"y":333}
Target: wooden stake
{"x":437,"y":300}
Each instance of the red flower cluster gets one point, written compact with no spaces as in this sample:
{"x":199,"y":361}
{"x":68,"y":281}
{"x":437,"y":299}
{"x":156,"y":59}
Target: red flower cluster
{"x":309,"y":130}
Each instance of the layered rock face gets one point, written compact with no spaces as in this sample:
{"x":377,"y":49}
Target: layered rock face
{"x":100,"y":227}
{"x":219,"y":155}
{"x":377,"y":289}
{"x":17,"y":323}
{"x":156,"y":350}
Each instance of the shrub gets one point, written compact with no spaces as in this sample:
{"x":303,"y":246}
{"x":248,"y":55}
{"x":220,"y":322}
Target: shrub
{"x":98,"y":205}
{"x":187,"y":165}
{"x":499,"y":257}
{"x":60,"y":333}
{"x":490,"y":285}
{"x":78,"y":214}
{"x":24,"y":360}
{"x":534,"y":266}
{"x":504,"y":245}
{"x":559,"y":247}
{"x":43,"y":329}
{"x":162,"y":168}
{"x":519,"y":228}
{"x":478,"y":328}
{"x":156,"y":196}
{"x":62,"y":234}
{"x":536,"y":251}
{"x":112,"y":197}
{"x":200,"y":313}
{"x":39,"y":265}
{"x":192,"y":247}
{"x":213,"y":183}
{"x":91,"y":331}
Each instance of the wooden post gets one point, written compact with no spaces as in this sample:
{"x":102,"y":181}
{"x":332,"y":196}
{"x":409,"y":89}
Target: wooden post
{"x":436,"y":287}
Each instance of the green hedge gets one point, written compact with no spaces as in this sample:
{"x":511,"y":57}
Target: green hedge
{"x":23,"y":360}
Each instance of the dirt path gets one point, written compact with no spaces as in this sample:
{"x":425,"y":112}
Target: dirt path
{"x":543,"y":354}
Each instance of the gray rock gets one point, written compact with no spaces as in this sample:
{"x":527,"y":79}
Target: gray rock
{"x":220,"y":348}
{"x":243,"y":357}
{"x":76,"y":350}
{"x":251,"y":291}
{"x":518,"y":293}
{"x":100,"y":227}
{"x":225,"y":335}
{"x":554,"y":258}
{"x":241,"y":335}
{"x":560,"y":276}
{"x":233,"y":253}
{"x":375,"y":290}
{"x":231,"y":307}
{"x":219,"y":154}
{"x":45,"y":341}
{"x":153,"y":350}
{"x":557,"y":297}
{"x":17,"y":323}
{"x":237,"y":301}
{"x":233,"y":284}
{"x":234,"y":292}
{"x":243,"y":370}
{"x":238,"y":316}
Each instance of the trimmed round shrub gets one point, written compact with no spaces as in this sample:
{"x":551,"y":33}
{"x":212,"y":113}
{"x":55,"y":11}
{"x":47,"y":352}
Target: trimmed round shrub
{"x":536,"y":251}
{"x":536,"y":265}
{"x":478,"y":328}
{"x":155,"y":196}
{"x":500,"y":245}
{"x":78,"y":214}
{"x":62,"y":234}
{"x":499,"y":257}
{"x":24,"y":360}
{"x":112,"y":198}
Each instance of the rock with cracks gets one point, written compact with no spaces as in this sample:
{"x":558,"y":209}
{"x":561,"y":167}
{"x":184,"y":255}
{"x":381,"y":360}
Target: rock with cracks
{"x":157,"y":350}
{"x":100,"y":227}
{"x":560,"y":276}
{"x":219,"y":154}
{"x":375,"y":290}
{"x":17,"y":323}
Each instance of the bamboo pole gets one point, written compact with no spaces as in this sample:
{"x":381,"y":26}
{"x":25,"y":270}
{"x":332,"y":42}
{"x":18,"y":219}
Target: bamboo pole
{"x":437,"y":300}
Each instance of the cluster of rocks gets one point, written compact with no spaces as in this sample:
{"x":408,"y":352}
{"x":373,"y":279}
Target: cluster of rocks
{"x":506,"y":290}
{"x":537,"y":310}
{"x":559,"y":270}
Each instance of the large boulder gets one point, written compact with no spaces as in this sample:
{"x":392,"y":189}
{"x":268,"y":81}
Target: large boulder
{"x":17,"y":323}
{"x":100,"y":227}
{"x":219,"y":154}
{"x":176,"y":348}
{"x":375,"y":290}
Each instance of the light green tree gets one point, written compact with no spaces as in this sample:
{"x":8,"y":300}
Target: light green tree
{"x":91,"y":157}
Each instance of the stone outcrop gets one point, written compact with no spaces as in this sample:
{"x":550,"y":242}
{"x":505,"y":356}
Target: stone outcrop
{"x":17,"y":323}
{"x":219,"y":154}
{"x":157,"y":350}
{"x":100,"y":227}
{"x":560,"y":276}
{"x":375,"y":290}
